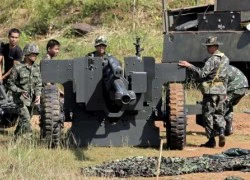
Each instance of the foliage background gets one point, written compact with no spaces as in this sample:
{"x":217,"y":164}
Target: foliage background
{"x":120,"y":21}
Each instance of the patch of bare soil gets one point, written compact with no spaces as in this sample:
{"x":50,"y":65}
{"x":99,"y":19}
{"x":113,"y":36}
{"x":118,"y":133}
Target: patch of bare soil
{"x":196,"y":136}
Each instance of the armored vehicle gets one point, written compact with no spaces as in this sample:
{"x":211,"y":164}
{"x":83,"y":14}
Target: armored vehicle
{"x":113,"y":106}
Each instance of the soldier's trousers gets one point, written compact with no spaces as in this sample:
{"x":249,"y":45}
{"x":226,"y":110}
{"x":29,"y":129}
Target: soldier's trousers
{"x":233,"y":98}
{"x":24,"y":125}
{"x":213,"y":111}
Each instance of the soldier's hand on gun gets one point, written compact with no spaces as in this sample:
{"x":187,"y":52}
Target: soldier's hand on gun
{"x":37,"y":100}
{"x":25,"y":94}
{"x":184,"y":64}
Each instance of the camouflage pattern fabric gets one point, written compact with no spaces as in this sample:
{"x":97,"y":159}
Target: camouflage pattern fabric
{"x":46,"y":57}
{"x":95,"y":54}
{"x":233,"y":98}
{"x":213,"y":110}
{"x":234,"y":178}
{"x":24,"y":78}
{"x":24,"y":125}
{"x":30,"y":49}
{"x":236,"y":89}
{"x":101,"y":40}
{"x":214,"y":74}
{"x":236,"y":79}
{"x":147,"y":166}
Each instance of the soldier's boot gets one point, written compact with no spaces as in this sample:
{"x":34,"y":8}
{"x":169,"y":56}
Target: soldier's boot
{"x":229,"y":128}
{"x":211,"y":143}
{"x":222,"y":139}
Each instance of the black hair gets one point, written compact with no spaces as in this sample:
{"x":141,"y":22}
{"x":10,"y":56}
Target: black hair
{"x":14,"y":30}
{"x":51,"y":43}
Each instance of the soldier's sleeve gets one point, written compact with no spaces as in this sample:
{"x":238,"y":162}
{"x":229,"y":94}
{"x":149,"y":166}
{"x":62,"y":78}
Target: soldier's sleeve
{"x":38,"y":88}
{"x":46,"y":57}
{"x":206,"y":70}
{"x":11,"y":83}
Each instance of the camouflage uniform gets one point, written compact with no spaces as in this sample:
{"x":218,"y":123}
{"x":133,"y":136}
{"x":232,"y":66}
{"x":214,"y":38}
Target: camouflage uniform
{"x":25,"y":78}
{"x":99,"y":41}
{"x":95,"y":54}
{"x":214,"y":76}
{"x":46,"y":57}
{"x":236,"y":89}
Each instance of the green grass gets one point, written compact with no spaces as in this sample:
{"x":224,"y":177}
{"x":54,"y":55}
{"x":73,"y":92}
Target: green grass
{"x":114,"y":18}
{"x":32,"y":160}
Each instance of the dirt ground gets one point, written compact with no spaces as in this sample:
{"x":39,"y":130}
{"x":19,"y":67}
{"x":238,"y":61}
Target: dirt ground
{"x":196,"y":136}
{"x":240,"y":139}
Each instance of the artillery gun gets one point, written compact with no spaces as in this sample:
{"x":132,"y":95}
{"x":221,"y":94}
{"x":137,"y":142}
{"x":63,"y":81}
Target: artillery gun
{"x":8,"y":110}
{"x":108,"y":105}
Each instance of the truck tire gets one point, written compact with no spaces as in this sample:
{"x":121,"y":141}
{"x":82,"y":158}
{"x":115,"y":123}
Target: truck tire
{"x":176,"y":121}
{"x":50,"y":121}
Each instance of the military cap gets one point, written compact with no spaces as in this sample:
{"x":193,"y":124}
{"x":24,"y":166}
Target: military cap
{"x":212,"y":40}
{"x":101,"y":40}
{"x":30,"y":49}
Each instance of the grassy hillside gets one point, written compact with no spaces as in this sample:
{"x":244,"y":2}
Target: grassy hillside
{"x":120,"y":21}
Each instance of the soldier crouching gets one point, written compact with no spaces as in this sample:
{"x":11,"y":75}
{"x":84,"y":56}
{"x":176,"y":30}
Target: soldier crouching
{"x":26,"y":85}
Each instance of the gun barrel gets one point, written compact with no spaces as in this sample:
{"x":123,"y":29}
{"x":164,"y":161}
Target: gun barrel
{"x":122,"y":95}
{"x":115,"y":66}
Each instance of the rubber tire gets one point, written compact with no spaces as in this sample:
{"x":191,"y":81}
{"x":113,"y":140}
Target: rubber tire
{"x":50,"y":121}
{"x":176,"y":121}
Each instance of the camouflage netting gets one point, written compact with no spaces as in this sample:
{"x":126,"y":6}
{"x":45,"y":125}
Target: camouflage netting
{"x":230,"y":160}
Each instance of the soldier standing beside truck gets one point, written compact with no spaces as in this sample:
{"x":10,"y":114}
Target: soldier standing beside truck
{"x":26,"y":85}
{"x":236,"y":89}
{"x":214,"y":76}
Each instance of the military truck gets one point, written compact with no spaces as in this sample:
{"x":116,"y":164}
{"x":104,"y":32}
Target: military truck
{"x":113,"y":106}
{"x":186,"y":28}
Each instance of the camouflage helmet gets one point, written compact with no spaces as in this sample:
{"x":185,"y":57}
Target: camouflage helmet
{"x":30,"y":49}
{"x":212,"y":40}
{"x":101,"y":40}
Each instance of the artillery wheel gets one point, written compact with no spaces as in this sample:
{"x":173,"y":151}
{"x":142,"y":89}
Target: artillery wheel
{"x":176,"y":122}
{"x":50,"y":121}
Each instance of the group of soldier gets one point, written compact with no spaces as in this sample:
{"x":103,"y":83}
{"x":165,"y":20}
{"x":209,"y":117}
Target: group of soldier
{"x":21,"y":76}
{"x":223,"y":86}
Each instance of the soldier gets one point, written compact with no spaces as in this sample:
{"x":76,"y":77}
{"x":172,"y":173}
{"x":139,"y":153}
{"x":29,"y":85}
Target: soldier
{"x":214,"y":77}
{"x":26,"y":84}
{"x":11,"y":53}
{"x":100,"y":46}
{"x":53,"y":48}
{"x":236,"y":89}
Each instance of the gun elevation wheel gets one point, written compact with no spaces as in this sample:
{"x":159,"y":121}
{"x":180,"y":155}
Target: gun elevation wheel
{"x":50,"y":122}
{"x":176,"y":122}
